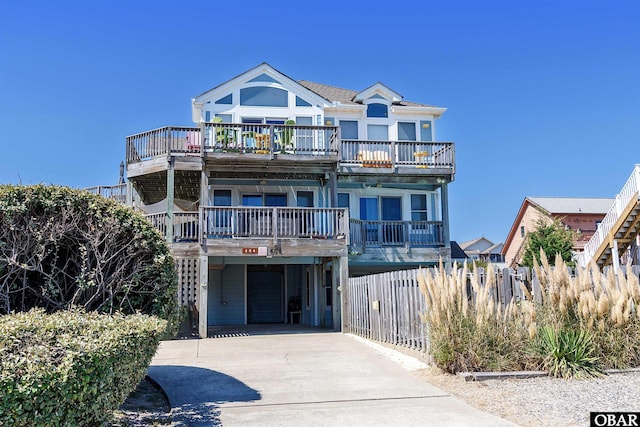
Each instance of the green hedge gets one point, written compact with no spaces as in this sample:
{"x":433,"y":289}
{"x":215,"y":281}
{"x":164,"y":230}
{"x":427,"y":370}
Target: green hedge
{"x":62,"y":247}
{"x":72,"y":367}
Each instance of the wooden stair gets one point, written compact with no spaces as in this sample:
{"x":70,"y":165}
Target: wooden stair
{"x":624,"y":232}
{"x":619,"y":228}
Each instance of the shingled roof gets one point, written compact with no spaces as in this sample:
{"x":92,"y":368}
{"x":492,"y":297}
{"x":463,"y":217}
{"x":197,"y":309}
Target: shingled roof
{"x":345,"y":96}
{"x":566,"y":205}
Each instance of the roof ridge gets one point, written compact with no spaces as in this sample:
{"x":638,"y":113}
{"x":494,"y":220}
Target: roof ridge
{"x":324,"y":84}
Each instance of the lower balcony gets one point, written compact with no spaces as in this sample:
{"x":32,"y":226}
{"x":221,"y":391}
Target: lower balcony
{"x":287,"y":231}
{"x":364,"y":235}
{"x":259,"y":231}
{"x":275,"y":223}
{"x":185,"y":225}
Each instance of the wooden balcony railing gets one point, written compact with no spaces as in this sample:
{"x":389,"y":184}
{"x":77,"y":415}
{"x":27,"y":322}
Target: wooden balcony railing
{"x":116,"y":192}
{"x":365,"y":234}
{"x":314,"y":141}
{"x":270,"y":139}
{"x":163,"y":142}
{"x":393,"y":154}
{"x":275,"y":222}
{"x":294,"y":223}
{"x":159,"y":221}
{"x":185,"y":225}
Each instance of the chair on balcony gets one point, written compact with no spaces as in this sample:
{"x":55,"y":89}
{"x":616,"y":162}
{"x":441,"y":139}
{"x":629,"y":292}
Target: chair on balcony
{"x":263,"y":143}
{"x":422,"y":159}
{"x":374,"y":159}
{"x":192,"y":140}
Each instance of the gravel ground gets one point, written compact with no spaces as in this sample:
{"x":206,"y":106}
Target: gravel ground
{"x":146,"y":406}
{"x":544,"y":401}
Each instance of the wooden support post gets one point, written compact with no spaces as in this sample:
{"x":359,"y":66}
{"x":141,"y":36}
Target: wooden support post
{"x":203,"y":152}
{"x":333,"y":190}
{"x":274,"y":226}
{"x":335,"y":279}
{"x":204,"y":259}
{"x":340,"y":277}
{"x":170,"y":201}
{"x":204,"y":201}
{"x":615,"y":256}
{"x":444,"y":201}
{"x":393,"y":156}
{"x":130,"y":191}
{"x":203,"y":296}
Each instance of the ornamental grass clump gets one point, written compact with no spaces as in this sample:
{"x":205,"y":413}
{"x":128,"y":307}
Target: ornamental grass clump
{"x":468,"y":330}
{"x":603,"y":304}
{"x":578,"y":325}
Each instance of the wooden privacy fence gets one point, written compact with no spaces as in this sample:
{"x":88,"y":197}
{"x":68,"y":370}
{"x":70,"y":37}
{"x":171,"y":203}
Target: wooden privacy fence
{"x":386,"y":307}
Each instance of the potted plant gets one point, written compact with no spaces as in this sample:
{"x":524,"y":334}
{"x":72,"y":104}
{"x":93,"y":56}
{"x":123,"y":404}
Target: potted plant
{"x":287,"y":136}
{"x":223,"y":136}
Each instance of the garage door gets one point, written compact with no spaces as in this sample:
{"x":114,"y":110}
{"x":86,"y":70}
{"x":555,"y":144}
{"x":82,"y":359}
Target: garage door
{"x":264,"y":297}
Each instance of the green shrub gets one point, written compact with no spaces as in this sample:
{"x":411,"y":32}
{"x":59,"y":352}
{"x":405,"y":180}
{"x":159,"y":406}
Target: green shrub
{"x":61,"y":247}
{"x":72,"y":367}
{"x":569,"y":353}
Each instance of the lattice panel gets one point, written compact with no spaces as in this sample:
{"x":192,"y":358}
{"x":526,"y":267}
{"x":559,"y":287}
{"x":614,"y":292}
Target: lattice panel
{"x":188,"y":278}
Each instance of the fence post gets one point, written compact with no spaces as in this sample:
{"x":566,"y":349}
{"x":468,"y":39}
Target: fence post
{"x":507,"y":287}
{"x":536,"y":288}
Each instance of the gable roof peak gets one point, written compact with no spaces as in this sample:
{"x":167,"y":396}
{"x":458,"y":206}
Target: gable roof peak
{"x":472,"y":242}
{"x":378,"y":88}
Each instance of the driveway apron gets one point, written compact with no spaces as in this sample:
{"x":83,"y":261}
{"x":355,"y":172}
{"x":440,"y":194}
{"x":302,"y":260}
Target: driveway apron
{"x":300,"y":379}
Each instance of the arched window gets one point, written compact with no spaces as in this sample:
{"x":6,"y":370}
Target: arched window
{"x":377,"y":110}
{"x":264,"y":96}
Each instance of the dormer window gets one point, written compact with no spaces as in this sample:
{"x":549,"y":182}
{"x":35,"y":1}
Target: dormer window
{"x":377,"y":110}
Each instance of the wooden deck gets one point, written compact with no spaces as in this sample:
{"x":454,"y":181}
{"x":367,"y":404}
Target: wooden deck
{"x":284,"y":146}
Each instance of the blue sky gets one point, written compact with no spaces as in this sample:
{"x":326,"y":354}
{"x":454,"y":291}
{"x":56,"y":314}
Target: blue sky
{"x":543,"y":97}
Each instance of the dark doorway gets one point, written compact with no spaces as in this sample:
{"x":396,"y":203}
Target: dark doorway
{"x":265,"y":287}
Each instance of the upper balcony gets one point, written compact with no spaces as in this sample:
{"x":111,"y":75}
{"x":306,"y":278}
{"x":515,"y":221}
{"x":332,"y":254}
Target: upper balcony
{"x":230,"y":143}
{"x":408,"y":157}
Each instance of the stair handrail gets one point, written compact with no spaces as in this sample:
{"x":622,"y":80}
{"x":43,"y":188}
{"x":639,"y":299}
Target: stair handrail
{"x":630,"y":189}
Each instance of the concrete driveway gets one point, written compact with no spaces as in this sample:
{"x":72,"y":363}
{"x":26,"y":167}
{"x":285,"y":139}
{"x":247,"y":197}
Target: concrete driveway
{"x":301,"y":378}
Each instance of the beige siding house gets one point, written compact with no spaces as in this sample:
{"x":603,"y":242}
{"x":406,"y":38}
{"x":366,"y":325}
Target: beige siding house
{"x":579,"y":214}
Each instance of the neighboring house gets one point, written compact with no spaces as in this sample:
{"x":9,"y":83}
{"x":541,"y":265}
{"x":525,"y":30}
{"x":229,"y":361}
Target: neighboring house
{"x":458,"y":255}
{"x":483,"y":249}
{"x":577,"y":214}
{"x":285,"y":188}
